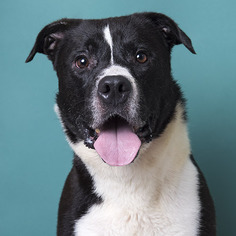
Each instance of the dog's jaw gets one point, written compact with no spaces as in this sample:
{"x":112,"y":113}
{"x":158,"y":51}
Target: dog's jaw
{"x":176,"y":131}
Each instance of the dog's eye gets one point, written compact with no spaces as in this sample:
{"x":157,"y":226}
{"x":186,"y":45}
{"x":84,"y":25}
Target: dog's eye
{"x":82,"y":62}
{"x":141,"y":57}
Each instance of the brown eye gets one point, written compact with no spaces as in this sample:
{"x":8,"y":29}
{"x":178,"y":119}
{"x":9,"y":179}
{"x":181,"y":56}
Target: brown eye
{"x":82,"y":62}
{"x":141,"y":57}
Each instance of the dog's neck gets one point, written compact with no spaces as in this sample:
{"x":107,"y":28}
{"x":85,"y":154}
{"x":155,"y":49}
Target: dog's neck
{"x":158,"y":166}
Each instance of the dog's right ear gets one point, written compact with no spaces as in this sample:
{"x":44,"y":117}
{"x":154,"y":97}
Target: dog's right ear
{"x":49,"y":37}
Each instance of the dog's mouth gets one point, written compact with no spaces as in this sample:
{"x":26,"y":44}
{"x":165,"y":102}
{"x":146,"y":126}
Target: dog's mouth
{"x":118,"y":142}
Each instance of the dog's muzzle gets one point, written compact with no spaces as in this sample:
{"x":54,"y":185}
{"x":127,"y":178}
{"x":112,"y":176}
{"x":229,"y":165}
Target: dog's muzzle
{"x":117,"y":132}
{"x":116,"y":143}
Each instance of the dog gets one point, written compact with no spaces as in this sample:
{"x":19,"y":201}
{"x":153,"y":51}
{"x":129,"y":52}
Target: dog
{"x":124,"y":117}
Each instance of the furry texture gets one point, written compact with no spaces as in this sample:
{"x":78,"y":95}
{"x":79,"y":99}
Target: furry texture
{"x":162,"y":192}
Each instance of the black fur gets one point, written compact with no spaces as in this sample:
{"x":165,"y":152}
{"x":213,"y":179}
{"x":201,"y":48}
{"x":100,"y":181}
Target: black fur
{"x":207,"y":215}
{"x":78,"y":189}
{"x":69,"y":38}
{"x":64,"y":41}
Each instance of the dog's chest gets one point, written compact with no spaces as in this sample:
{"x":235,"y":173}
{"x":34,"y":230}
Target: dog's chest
{"x":106,"y":220}
{"x":174,"y":212}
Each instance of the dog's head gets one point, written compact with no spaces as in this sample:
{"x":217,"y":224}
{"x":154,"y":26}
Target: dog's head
{"x":115,"y":85}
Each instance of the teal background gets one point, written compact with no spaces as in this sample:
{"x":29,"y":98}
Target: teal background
{"x":34,"y":156}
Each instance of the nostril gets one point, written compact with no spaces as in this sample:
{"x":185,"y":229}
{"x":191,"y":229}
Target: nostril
{"x":121,"y":88}
{"x":106,"y":89}
{"x":124,"y":87}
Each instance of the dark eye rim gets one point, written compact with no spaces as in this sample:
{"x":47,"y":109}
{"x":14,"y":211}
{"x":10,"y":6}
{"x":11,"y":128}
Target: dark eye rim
{"x":82,"y":65}
{"x":142,"y":60}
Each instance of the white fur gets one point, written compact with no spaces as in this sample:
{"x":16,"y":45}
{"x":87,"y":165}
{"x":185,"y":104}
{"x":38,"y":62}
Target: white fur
{"x":155,"y":195}
{"x":108,"y":38}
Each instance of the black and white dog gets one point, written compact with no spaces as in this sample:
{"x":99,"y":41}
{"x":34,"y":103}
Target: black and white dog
{"x":124,"y":117}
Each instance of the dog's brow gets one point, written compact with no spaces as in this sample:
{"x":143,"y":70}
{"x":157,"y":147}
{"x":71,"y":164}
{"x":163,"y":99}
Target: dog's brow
{"x":108,"y":38}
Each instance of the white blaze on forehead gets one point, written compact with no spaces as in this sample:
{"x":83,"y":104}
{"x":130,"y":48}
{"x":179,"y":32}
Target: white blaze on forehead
{"x":108,"y":38}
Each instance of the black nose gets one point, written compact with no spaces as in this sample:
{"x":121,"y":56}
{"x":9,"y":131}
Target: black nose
{"x":114,"y":89}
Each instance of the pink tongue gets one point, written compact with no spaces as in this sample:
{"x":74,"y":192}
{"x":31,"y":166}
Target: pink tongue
{"x":117,"y":145}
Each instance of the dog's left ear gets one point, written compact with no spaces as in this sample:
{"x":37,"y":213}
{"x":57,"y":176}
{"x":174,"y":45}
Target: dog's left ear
{"x":170,"y":30}
{"x":49,"y":37}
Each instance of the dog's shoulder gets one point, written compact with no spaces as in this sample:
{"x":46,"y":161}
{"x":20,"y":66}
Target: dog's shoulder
{"x":77,"y":197}
{"x":207,"y":212}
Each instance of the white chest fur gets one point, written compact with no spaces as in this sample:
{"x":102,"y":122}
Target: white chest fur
{"x":173,"y":212}
{"x":156,"y":195}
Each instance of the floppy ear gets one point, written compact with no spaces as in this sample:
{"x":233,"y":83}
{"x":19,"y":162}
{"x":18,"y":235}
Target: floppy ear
{"x":48,"y":38}
{"x":170,"y":30}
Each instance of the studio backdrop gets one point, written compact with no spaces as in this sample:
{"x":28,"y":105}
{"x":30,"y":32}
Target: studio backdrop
{"x":34,"y":155}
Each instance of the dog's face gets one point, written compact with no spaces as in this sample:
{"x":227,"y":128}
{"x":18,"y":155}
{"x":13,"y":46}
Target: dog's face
{"x":115,"y":83}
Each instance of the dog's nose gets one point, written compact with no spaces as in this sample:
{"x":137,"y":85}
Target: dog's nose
{"x":114,"y":89}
